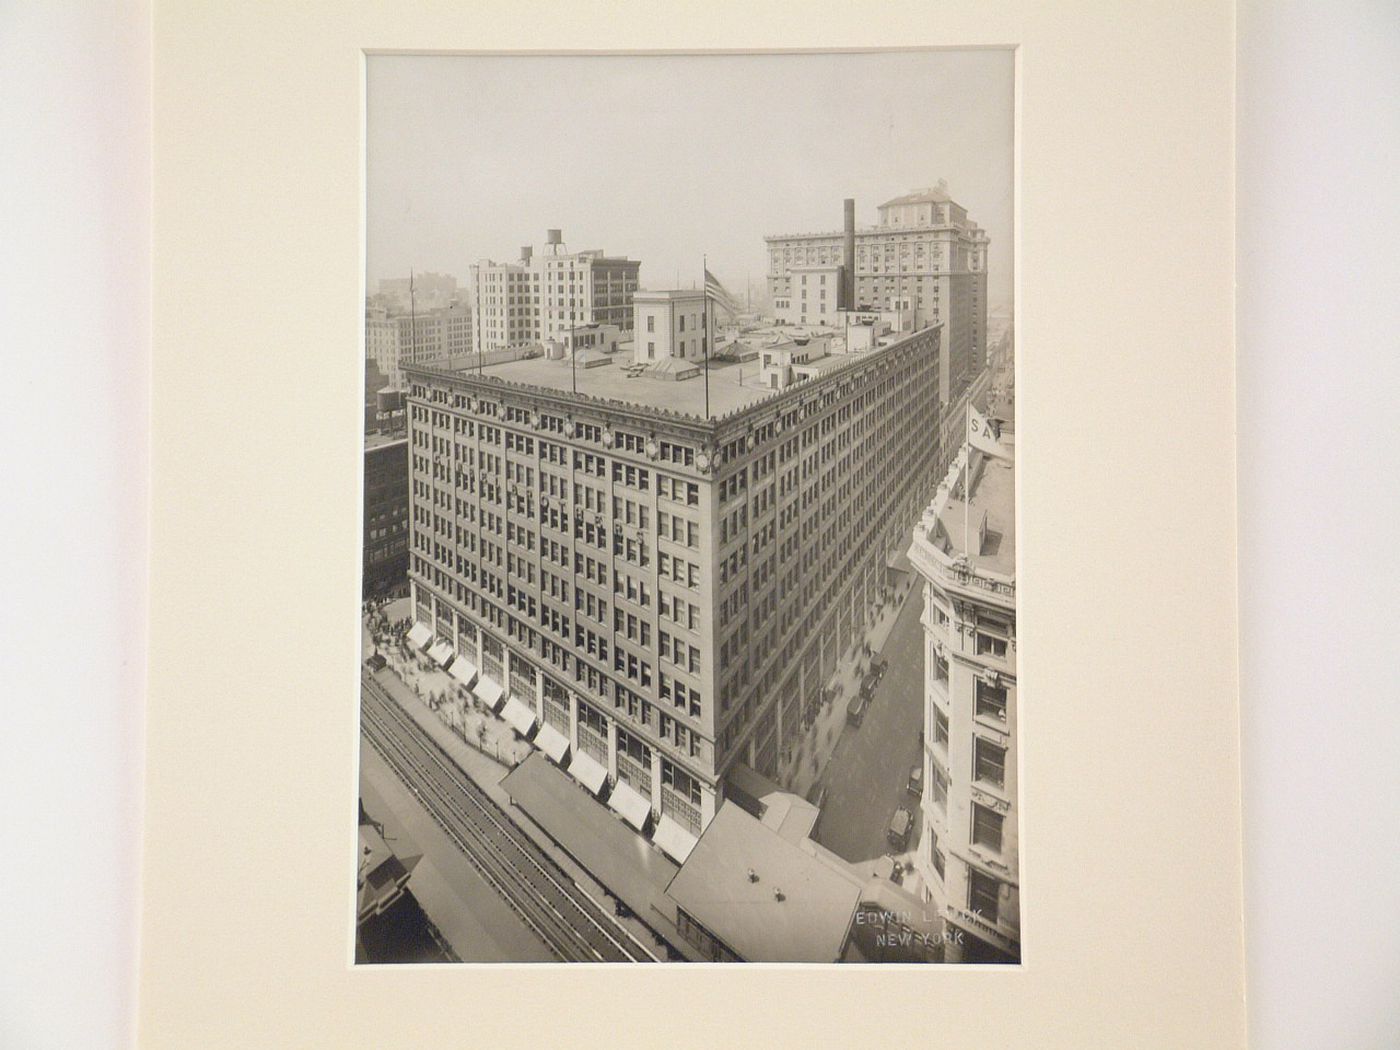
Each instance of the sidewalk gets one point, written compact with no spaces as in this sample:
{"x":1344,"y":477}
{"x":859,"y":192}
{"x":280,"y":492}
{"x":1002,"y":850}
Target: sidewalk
{"x":444,"y":695}
{"x":487,"y":773}
{"x":802,"y":773}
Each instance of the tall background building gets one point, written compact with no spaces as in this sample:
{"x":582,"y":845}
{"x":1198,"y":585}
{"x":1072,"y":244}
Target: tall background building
{"x":429,"y":336}
{"x":965,"y":551}
{"x":541,"y":295}
{"x":924,"y":255}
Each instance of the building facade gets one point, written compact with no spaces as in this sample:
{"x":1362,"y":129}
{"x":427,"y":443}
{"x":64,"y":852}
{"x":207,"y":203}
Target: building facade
{"x":425,"y":336}
{"x":923,"y":255}
{"x":968,"y":857}
{"x":385,"y":566}
{"x":668,"y":592}
{"x":811,"y":294}
{"x":542,"y":295}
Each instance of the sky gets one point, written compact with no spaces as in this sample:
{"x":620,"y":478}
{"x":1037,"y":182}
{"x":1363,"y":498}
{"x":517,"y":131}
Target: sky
{"x":671,"y":159}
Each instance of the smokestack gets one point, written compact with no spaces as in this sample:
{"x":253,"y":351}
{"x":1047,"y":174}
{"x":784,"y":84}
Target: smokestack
{"x":848,"y":256}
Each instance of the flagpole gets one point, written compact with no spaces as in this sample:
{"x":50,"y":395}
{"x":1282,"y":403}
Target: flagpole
{"x":705,"y":313}
{"x":967,"y":482}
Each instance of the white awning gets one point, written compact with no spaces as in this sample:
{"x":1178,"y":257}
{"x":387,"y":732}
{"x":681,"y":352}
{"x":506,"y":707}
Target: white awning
{"x":630,"y":805}
{"x":552,"y":742}
{"x":419,"y":635}
{"x":588,"y":772}
{"x":463,"y":670}
{"x":675,"y":841}
{"x":488,"y":691}
{"x":519,"y":716}
{"x":441,"y":653}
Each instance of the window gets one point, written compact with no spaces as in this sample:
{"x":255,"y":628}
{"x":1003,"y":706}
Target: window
{"x":991,"y":701}
{"x":982,"y":893}
{"x":939,"y":785}
{"x":986,"y":827}
{"x":940,"y":727}
{"x":989,"y":762}
{"x":990,"y":645}
{"x":936,"y":854}
{"x":651,"y":325}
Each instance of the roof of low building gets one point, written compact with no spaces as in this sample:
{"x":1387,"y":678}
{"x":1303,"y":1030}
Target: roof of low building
{"x":762,"y":895}
{"x":990,"y":517}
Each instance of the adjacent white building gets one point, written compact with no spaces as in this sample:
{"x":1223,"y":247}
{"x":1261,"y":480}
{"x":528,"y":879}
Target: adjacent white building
{"x":968,"y":856}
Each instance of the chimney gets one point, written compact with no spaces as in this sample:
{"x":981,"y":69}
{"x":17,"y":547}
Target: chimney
{"x":848,"y":257}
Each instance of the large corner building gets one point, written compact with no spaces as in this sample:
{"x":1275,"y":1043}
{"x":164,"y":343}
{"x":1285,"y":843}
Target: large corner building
{"x":654,"y":572}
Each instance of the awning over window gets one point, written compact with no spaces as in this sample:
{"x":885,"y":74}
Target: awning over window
{"x":419,"y":635}
{"x":489,"y":692}
{"x":631,"y":806}
{"x":463,"y":670}
{"x":519,"y":716}
{"x":675,"y":841}
{"x":441,"y":653}
{"x":587,"y":771}
{"x":552,"y":742}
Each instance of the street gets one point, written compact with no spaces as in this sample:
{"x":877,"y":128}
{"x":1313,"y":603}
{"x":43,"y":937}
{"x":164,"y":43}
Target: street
{"x":866,"y":776}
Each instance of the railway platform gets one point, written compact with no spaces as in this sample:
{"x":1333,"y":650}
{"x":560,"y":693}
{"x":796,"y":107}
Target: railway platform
{"x":487,"y":774}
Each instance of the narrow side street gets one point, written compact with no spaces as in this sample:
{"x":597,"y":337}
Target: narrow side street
{"x":866,"y":777}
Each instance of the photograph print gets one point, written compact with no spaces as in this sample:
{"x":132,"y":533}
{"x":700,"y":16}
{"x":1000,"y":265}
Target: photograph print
{"x":688,"y":626}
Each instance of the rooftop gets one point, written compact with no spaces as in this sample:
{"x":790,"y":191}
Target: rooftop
{"x":733,"y":385}
{"x":791,"y":816}
{"x":668,"y":293}
{"x":991,"y":515}
{"x":380,"y":439}
{"x":762,"y":895}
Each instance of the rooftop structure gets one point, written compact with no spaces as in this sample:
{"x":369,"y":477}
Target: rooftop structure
{"x":761,"y":897}
{"x":382,"y":874}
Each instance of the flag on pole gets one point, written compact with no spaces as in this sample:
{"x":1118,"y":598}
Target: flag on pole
{"x":716,"y":291}
{"x":982,"y":437}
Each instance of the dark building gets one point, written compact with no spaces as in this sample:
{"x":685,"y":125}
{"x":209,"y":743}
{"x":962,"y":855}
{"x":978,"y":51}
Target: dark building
{"x":386,"y":514}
